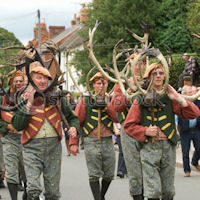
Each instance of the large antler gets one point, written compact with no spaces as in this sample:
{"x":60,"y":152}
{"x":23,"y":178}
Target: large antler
{"x":196,"y":35}
{"x":158,"y":54}
{"x":144,"y":39}
{"x":169,"y":51}
{"x":92,"y":56}
{"x":122,"y":74}
{"x":71,"y":74}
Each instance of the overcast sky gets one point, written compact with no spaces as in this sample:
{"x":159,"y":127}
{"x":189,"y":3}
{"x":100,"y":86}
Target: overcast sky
{"x":20,"y":16}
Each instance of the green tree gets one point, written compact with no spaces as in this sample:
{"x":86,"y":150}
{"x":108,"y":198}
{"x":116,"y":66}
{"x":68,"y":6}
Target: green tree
{"x":168,"y":26}
{"x":7,"y":39}
{"x":172,"y":27}
{"x":115,"y":16}
{"x":193,"y":20}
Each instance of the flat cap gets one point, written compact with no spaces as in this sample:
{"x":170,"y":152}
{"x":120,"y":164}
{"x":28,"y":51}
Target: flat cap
{"x":13,"y":75}
{"x":186,"y":54}
{"x":37,"y":68}
{"x":97,"y":76}
{"x":150,"y":68}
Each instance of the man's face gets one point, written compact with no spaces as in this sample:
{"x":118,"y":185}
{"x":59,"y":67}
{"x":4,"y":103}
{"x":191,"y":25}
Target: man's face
{"x":18,"y":83}
{"x":186,"y":58}
{"x":40,"y":81}
{"x":68,"y":97}
{"x":158,"y":77}
{"x":189,"y":92}
{"x":98,"y":85}
{"x":194,"y":90}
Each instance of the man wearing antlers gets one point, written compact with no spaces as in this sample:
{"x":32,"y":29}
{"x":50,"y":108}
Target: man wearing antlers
{"x":41,"y":138}
{"x":131,"y":147}
{"x":12,"y":148}
{"x":96,"y":118}
{"x":151,"y":121}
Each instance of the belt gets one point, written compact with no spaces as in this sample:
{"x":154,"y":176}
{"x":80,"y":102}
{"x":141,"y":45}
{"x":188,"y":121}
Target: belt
{"x":191,"y":129}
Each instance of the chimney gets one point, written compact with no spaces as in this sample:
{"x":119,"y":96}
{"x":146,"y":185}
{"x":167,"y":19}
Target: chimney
{"x":83,"y":14}
{"x":74,"y":21}
{"x":75,"y":16}
{"x":44,"y":32}
{"x":55,"y":30}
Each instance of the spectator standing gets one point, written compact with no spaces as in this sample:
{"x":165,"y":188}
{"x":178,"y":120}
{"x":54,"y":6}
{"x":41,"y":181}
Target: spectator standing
{"x":72,"y":105}
{"x":191,"y":70}
{"x":190,"y":132}
{"x":121,"y":166}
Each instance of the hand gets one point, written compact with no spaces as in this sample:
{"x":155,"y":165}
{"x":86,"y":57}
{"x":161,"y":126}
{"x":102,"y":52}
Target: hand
{"x":107,"y":99}
{"x":129,"y":90}
{"x":74,"y":149}
{"x":152,"y":131}
{"x":117,"y":131}
{"x":72,"y":132}
{"x":161,"y":135}
{"x":131,"y":81}
{"x":11,"y":128}
{"x":31,"y":96}
{"x":174,"y":95}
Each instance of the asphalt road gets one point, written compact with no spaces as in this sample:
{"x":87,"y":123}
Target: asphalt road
{"x":74,"y":182}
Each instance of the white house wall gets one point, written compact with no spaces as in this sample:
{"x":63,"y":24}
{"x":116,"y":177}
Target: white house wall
{"x":68,"y":84}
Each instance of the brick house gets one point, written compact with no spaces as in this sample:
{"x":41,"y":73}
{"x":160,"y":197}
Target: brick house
{"x":67,"y":39}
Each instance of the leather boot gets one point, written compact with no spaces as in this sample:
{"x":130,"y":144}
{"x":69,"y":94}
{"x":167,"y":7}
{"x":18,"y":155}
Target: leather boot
{"x":13,"y":190}
{"x":154,"y":199}
{"x":33,"y":199}
{"x":104,"y":187}
{"x":138,"y":197}
{"x":170,"y":199}
{"x":24,"y":196}
{"x":95,"y":187}
{"x":2,"y":185}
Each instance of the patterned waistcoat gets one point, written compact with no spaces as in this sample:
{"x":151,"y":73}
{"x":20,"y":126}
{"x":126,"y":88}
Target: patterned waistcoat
{"x":5,"y":115}
{"x":39,"y":113}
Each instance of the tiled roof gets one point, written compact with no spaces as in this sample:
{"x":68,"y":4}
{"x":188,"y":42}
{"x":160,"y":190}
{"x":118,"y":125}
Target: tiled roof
{"x":69,"y":37}
{"x":74,"y":40}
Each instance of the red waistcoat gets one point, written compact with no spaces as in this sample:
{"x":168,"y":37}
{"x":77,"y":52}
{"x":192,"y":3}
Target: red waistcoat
{"x":39,"y":113}
{"x":6,"y":116}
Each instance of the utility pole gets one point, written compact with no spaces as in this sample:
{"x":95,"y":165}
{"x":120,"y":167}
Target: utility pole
{"x":39,"y":32}
{"x":67,"y":63}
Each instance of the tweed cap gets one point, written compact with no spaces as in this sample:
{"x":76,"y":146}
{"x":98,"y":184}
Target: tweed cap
{"x":97,"y":76}
{"x":186,"y":54}
{"x":37,"y":68}
{"x":13,"y":75}
{"x":151,"y":68}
